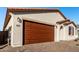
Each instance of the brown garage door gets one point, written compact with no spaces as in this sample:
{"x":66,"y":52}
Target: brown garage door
{"x":37,"y":32}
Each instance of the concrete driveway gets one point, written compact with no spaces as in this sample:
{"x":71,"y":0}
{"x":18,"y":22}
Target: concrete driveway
{"x":63,"y":46}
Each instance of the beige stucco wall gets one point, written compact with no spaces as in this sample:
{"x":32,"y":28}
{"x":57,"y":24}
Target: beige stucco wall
{"x":66,"y":36}
{"x":17,"y":33}
{"x":71,"y":37}
{"x":49,"y":18}
{"x":63,"y":33}
{"x":57,"y":31}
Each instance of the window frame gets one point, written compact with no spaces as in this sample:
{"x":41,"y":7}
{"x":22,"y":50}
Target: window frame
{"x":71,"y":30}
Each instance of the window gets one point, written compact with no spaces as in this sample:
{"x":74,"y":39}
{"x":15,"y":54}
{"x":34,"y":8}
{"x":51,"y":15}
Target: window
{"x":71,"y":30}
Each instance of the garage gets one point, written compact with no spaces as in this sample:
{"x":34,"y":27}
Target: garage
{"x":34,"y":32}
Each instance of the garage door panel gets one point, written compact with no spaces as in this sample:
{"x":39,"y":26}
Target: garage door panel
{"x":36,"y":33}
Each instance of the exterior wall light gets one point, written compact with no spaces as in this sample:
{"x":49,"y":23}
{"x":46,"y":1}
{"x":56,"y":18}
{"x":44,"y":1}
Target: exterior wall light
{"x":19,"y":20}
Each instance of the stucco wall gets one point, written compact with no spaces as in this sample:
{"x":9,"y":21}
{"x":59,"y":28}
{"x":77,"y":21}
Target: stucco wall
{"x":67,"y":36}
{"x":17,"y":33}
{"x":49,"y":18}
{"x":63,"y":34}
{"x":57,"y":33}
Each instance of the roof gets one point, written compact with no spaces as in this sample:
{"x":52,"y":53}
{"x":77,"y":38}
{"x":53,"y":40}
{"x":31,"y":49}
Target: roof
{"x":70,"y":23}
{"x":63,"y":21}
{"x":29,"y":10}
{"x":66,"y":22}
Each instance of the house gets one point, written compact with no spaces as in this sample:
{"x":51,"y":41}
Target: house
{"x":37,"y":25}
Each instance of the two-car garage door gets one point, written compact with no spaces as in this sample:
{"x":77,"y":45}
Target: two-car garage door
{"x":34,"y":32}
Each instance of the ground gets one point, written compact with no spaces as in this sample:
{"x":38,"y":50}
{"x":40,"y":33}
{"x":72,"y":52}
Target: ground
{"x":63,"y":46}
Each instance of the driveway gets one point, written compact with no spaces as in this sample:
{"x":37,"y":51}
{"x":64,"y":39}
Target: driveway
{"x":63,"y":46}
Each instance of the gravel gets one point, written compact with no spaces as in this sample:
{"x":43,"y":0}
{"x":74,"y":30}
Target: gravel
{"x":63,"y":46}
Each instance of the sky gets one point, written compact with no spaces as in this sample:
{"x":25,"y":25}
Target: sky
{"x":71,"y":13}
{"x":2,"y":17}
